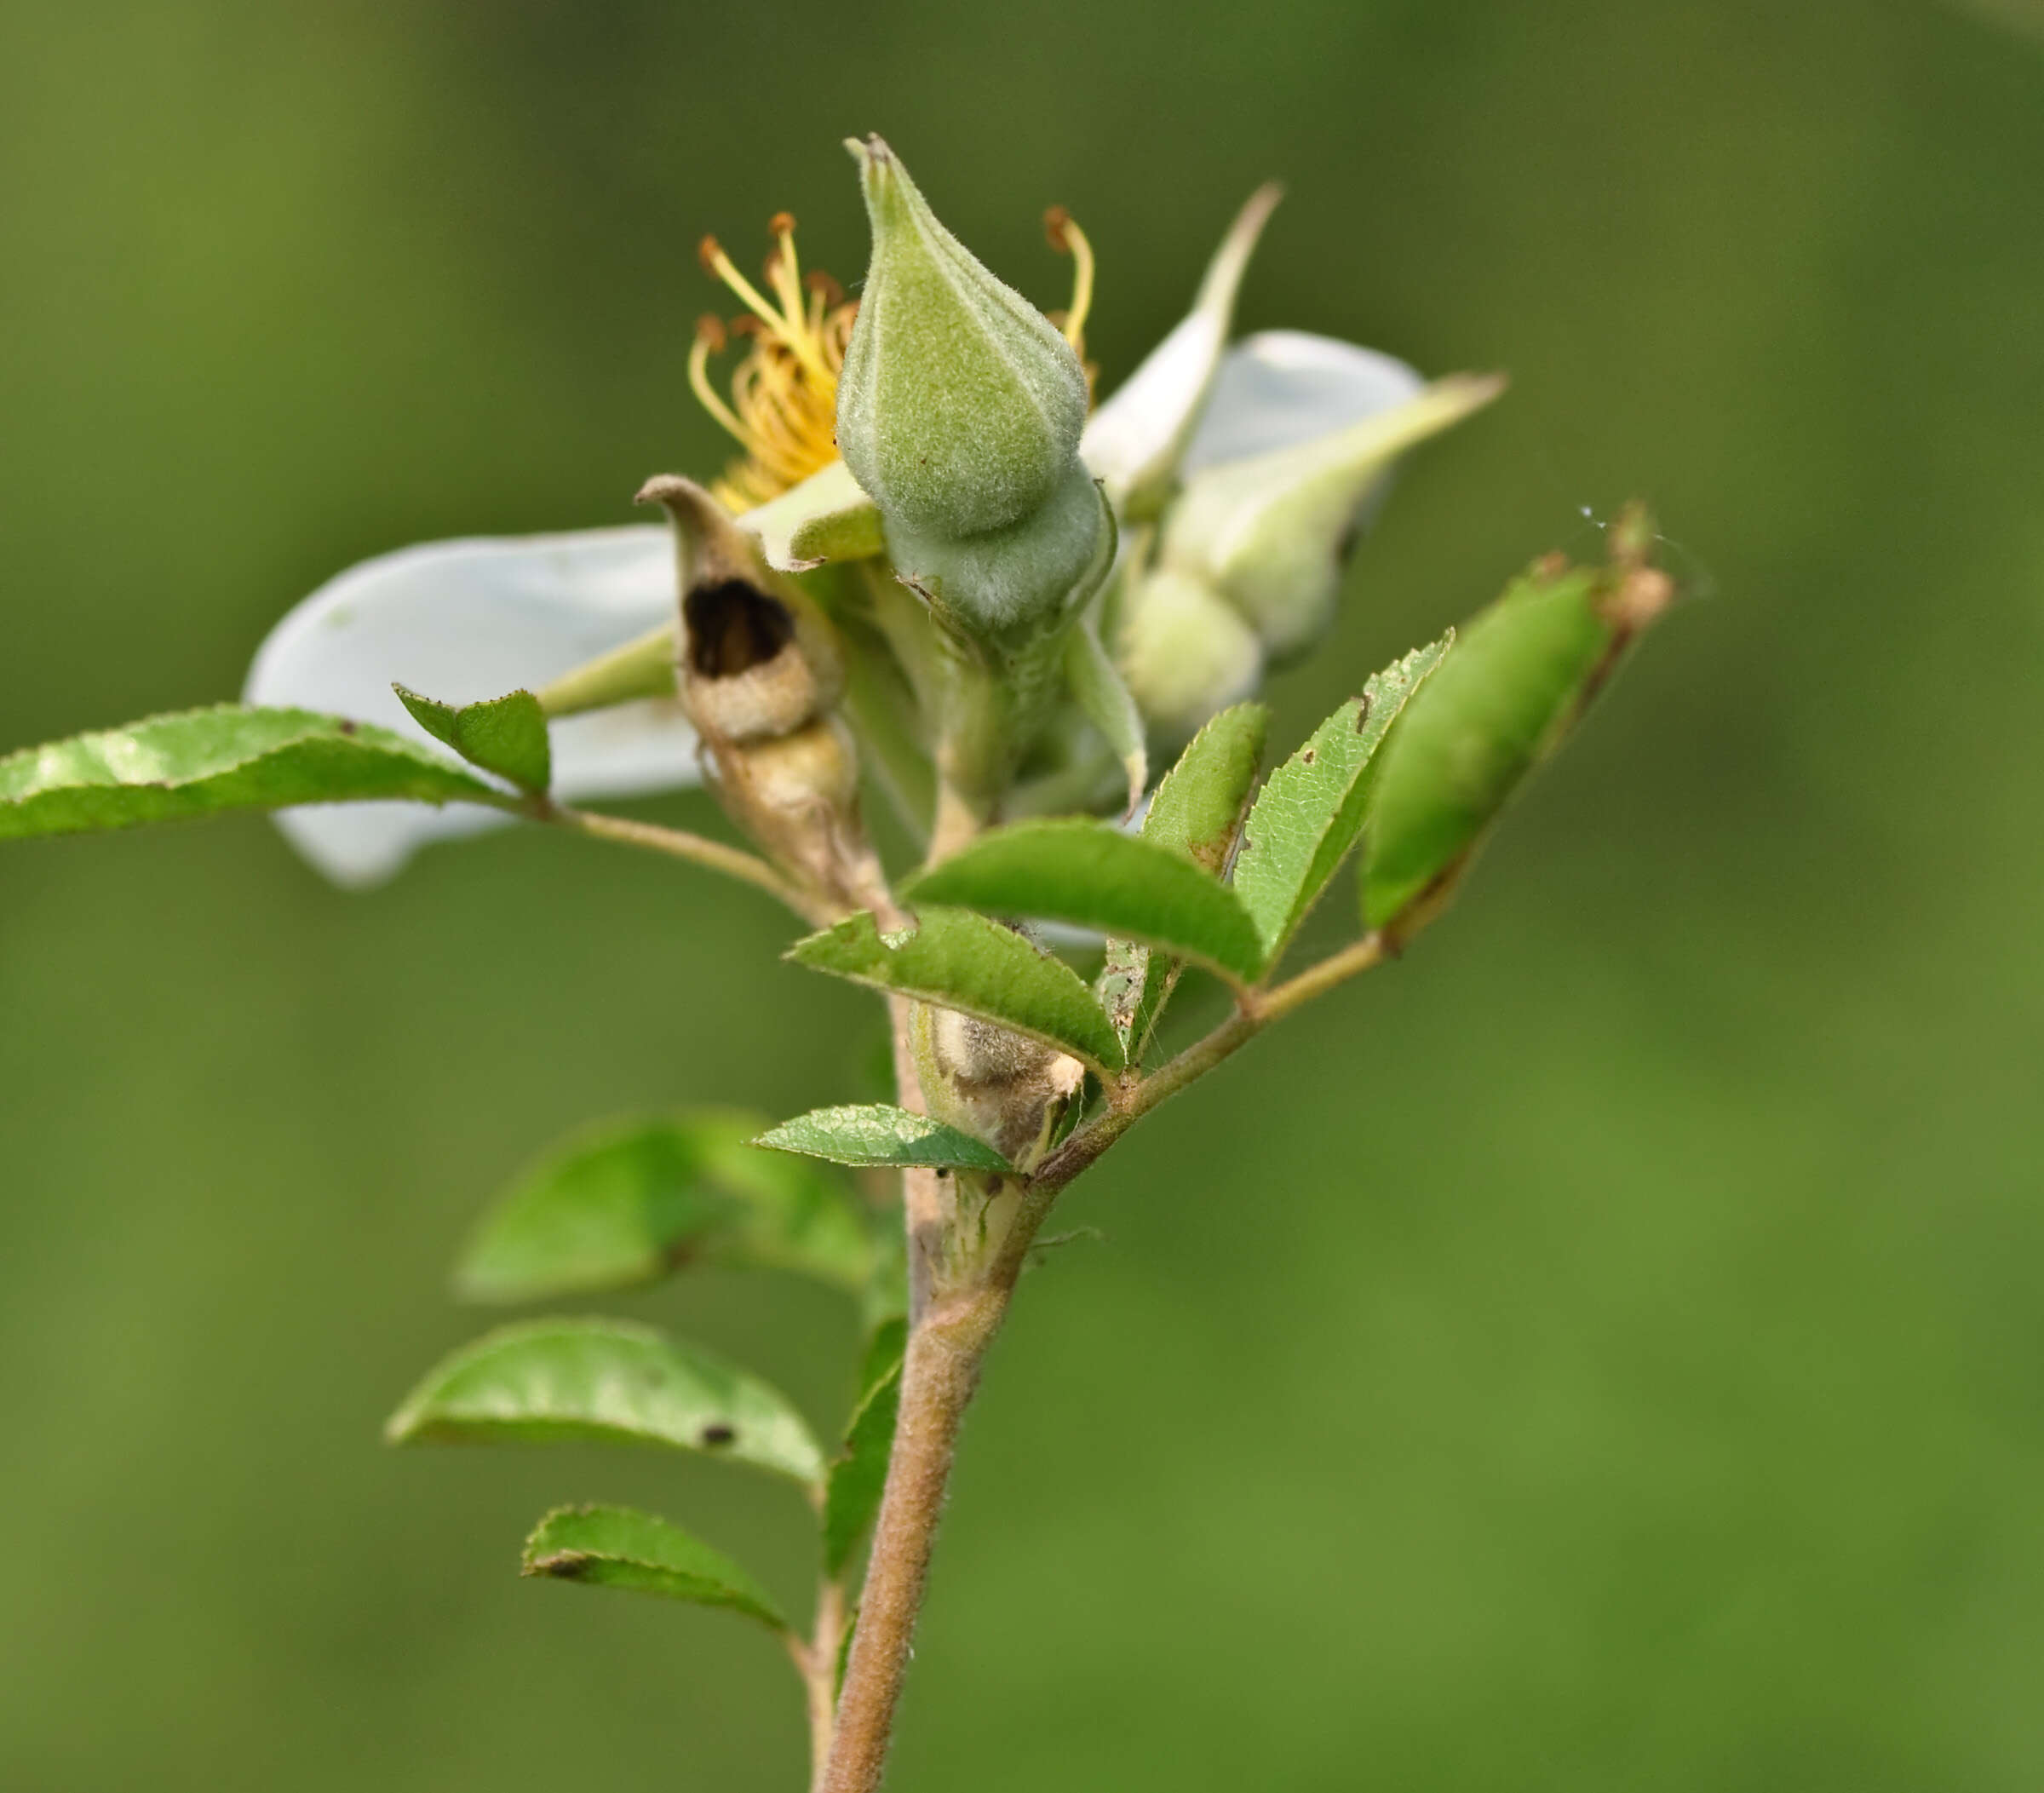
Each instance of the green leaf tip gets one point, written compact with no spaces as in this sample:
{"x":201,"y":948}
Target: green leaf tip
{"x":201,"y":762}
{"x":879,"y":1134}
{"x":616,"y":1547}
{"x":1520,"y":675}
{"x":506,"y":735}
{"x":956,"y":959}
{"x":1094,"y":875}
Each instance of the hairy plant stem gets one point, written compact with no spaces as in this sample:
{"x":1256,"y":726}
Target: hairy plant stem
{"x":950,"y":1329}
{"x":677,"y":844}
{"x":938,"y":1378}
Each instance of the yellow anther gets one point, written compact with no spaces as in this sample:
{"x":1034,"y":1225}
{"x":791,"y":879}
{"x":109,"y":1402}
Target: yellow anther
{"x":787,"y":329}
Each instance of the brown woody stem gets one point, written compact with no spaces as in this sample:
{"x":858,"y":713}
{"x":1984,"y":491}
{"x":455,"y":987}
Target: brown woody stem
{"x":949,"y":1335}
{"x":938,"y":1378}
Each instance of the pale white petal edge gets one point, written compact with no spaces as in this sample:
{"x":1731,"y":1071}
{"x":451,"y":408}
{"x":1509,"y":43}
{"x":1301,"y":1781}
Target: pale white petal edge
{"x":1136,"y":428}
{"x":1132,"y":443}
{"x":466,"y":619}
{"x":1281,"y":388}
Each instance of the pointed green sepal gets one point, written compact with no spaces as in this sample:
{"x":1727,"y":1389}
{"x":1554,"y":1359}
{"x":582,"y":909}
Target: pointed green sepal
{"x":828,"y":517}
{"x":1135,"y":441}
{"x":641,"y":668}
{"x":1268,"y":532}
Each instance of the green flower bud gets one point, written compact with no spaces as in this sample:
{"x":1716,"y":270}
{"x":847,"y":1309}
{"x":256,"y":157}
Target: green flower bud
{"x":1010,"y":582}
{"x":1186,"y":653}
{"x":959,"y":405}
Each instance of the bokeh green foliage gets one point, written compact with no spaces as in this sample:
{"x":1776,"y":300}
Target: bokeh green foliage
{"x":1600,"y":1352}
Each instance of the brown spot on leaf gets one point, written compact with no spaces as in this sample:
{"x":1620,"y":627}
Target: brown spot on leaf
{"x":1362,"y":711}
{"x":713,"y":1435}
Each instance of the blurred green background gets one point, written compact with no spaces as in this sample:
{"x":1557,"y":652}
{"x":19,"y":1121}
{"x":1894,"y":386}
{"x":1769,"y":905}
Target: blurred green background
{"x":1604,"y":1352}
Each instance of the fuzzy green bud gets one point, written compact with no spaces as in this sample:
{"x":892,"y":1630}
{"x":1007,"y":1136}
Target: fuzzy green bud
{"x":1186,"y":653}
{"x":959,"y":405}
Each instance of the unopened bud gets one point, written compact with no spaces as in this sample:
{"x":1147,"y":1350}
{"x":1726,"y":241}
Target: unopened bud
{"x":959,"y":405}
{"x":1184,"y":653}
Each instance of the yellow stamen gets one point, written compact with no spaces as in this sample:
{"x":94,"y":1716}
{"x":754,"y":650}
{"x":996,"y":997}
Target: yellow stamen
{"x":783,"y":409}
{"x":710,"y":336}
{"x":1067,"y":239}
{"x":786,"y":328}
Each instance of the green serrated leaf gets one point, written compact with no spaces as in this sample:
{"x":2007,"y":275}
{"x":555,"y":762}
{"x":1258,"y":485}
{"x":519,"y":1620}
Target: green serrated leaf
{"x":1086,"y":872}
{"x":625,"y":1203}
{"x":204,"y":761}
{"x":506,"y":735}
{"x":1104,"y":697}
{"x":1198,"y":810}
{"x":615,"y":1547}
{"x":873,"y":1133}
{"x":555,"y":1381}
{"x":1307,"y":816}
{"x":1198,"y":807}
{"x":956,"y":959}
{"x":859,"y":1472}
{"x":1480,"y":727}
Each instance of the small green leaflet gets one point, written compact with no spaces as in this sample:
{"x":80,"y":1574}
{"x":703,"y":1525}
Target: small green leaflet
{"x":1104,"y":696}
{"x":506,"y":735}
{"x":859,"y":1474}
{"x":1476,"y":729}
{"x":1199,"y":805}
{"x":1307,"y":816}
{"x":1087,"y":872}
{"x":204,"y":761}
{"x":611,"y":1381}
{"x":959,"y":960}
{"x":1198,"y":811}
{"x":873,"y":1133}
{"x":625,"y":1203}
{"x":614,"y":1546}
